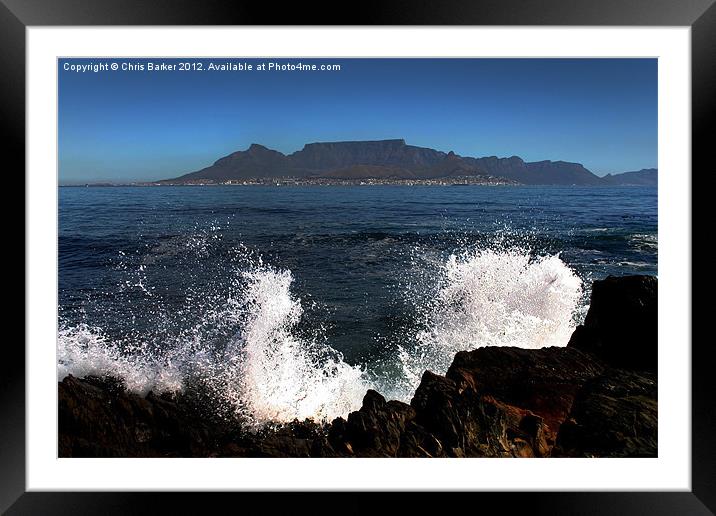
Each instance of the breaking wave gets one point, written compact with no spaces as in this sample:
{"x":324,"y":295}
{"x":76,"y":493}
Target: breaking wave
{"x":85,"y":351}
{"x":275,"y":375}
{"x":269,"y":368}
{"x":493,"y":298}
{"x":266,"y":373}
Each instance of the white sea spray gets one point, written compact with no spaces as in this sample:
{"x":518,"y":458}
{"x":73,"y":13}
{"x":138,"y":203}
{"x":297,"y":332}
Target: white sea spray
{"x":270,"y":370}
{"x":492,"y":298}
{"x":266,"y":373}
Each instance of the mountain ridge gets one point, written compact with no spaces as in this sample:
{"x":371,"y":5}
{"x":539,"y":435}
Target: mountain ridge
{"x":643,"y":177}
{"x":390,"y":159}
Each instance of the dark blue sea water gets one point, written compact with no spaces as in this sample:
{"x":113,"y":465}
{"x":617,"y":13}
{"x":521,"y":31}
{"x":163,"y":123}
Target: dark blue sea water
{"x":364,"y":267}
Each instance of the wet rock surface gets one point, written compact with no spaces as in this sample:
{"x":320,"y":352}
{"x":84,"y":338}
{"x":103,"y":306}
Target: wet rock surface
{"x":597,"y":397}
{"x":614,"y":415}
{"x":543,"y":382}
{"x":621,"y":326}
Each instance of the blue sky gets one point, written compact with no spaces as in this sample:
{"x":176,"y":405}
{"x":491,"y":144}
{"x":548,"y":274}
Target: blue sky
{"x":141,"y":125}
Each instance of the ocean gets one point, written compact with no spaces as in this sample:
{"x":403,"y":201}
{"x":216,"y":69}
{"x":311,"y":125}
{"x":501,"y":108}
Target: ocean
{"x":277,"y":303}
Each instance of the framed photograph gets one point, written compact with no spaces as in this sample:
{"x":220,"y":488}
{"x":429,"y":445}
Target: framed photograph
{"x":444,"y":249}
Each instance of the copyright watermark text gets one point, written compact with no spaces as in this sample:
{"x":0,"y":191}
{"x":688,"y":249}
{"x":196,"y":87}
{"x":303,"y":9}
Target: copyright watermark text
{"x":197,"y":66}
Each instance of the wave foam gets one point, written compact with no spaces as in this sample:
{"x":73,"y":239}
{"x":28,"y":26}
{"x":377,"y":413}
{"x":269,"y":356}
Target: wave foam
{"x":85,"y":351}
{"x":267,"y":373}
{"x":278,"y":376}
{"x":491,"y":298}
{"x":249,"y":352}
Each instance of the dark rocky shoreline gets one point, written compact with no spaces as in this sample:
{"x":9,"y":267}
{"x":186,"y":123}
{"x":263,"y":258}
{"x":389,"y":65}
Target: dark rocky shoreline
{"x":597,"y":397}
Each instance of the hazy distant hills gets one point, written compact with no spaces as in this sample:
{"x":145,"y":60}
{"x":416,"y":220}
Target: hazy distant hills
{"x":643,"y":177}
{"x":394,"y":159}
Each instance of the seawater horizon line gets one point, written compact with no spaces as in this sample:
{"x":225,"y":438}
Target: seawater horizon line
{"x":158,"y":183}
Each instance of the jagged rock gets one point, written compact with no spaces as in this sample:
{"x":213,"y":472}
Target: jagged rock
{"x":614,"y":415}
{"x":373,"y":431}
{"x":621,"y":326}
{"x":492,"y":402}
{"x":536,"y":434}
{"x":416,"y":441}
{"x":283,"y":443}
{"x":465,"y":424}
{"x":98,"y":418}
{"x":527,"y":433}
{"x":541,"y":381}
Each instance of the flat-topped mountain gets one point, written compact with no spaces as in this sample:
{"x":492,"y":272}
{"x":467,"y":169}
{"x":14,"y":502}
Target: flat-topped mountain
{"x":383,"y":159}
{"x":396,"y":153}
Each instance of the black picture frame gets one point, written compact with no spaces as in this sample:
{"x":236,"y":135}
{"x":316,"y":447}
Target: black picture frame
{"x":700,"y":15}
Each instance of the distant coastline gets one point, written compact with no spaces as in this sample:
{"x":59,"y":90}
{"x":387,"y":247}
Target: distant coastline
{"x":368,"y":181}
{"x":289,"y":182}
{"x":392,"y":162}
{"x":387,"y":162}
